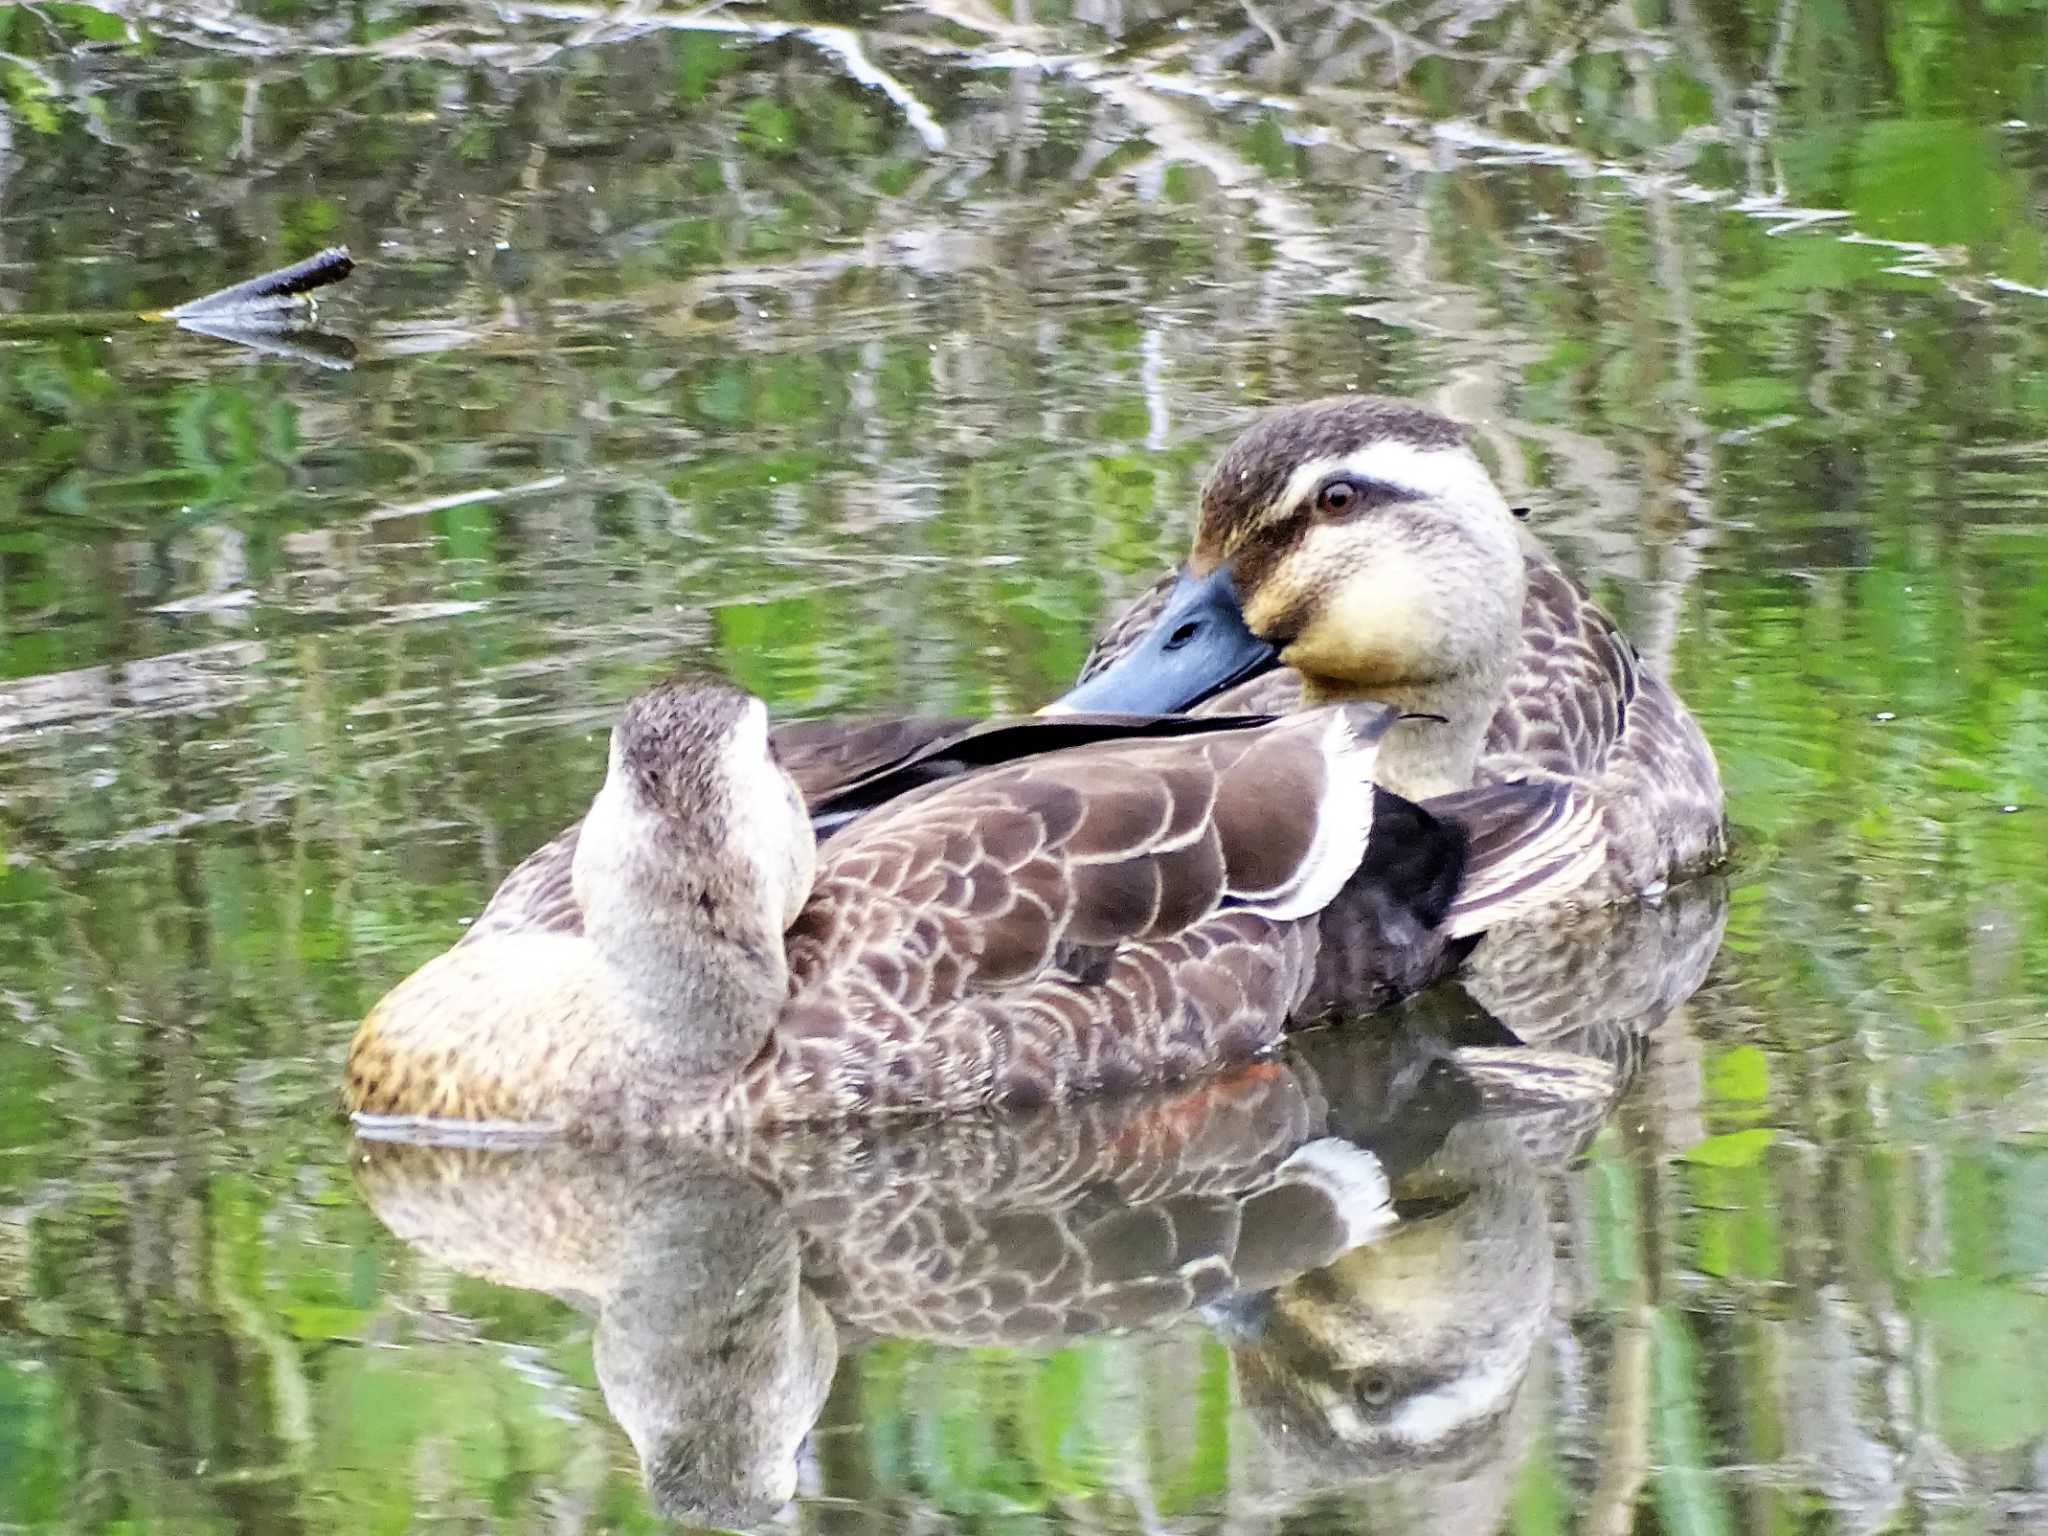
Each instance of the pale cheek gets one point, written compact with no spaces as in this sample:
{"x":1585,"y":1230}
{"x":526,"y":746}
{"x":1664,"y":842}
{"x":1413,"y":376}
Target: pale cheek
{"x":1378,"y":626}
{"x":803,"y":853}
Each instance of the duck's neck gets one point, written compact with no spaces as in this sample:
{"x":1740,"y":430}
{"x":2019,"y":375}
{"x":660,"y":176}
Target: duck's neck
{"x":712,"y":1355}
{"x":700,"y":994}
{"x":1423,"y":757}
{"x":689,"y":936}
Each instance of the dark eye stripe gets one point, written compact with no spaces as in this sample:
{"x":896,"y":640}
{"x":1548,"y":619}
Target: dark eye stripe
{"x":1257,"y":544}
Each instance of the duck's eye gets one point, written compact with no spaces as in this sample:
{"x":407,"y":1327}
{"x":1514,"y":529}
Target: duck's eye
{"x":1375,"y":1389}
{"x":1339,"y":498}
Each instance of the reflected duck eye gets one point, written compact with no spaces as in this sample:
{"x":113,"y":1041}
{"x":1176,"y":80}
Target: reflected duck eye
{"x":1338,"y":497}
{"x":1375,"y":1389}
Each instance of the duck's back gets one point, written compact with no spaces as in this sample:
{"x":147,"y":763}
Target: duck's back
{"x":1097,"y":920}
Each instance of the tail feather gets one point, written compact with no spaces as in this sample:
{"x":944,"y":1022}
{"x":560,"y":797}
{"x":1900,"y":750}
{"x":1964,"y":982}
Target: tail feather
{"x":1530,"y":845}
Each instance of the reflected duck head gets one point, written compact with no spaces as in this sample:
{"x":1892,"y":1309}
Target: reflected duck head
{"x":1412,"y":1349}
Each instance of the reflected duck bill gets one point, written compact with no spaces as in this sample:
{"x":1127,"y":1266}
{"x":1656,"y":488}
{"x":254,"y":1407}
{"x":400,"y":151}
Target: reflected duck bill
{"x":1199,"y":646}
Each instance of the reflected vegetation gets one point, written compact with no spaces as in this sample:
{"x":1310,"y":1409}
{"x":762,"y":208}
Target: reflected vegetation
{"x":872,"y":357}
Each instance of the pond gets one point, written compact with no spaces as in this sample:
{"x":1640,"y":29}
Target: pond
{"x":872,"y":356}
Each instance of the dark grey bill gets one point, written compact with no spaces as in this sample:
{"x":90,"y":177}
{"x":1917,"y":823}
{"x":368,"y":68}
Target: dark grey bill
{"x":1198,"y":646}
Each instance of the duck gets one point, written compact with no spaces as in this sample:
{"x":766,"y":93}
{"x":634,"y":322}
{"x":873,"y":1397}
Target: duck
{"x":1355,"y":548}
{"x":1129,"y":912}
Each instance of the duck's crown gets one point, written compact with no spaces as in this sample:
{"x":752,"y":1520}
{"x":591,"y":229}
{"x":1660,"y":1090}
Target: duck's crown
{"x":676,"y":745}
{"x":1260,"y":468}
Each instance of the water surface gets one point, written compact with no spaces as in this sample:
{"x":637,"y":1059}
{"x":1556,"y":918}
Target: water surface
{"x":870,"y":356}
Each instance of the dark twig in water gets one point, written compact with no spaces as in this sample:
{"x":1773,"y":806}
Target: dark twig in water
{"x":281,"y":292}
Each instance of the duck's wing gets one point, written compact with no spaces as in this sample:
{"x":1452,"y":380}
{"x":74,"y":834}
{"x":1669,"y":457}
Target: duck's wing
{"x":1122,"y":1213}
{"x":992,"y":744}
{"x":1105,"y":844}
{"x":824,"y":756}
{"x":1121,"y":914}
{"x":1530,"y":846}
{"x":537,"y":896}
{"x":1582,"y":706}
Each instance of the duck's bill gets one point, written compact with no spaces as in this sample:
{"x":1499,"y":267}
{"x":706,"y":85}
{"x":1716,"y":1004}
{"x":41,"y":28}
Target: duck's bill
{"x":1198,"y":646}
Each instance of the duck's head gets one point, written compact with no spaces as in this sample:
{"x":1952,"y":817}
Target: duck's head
{"x":696,"y":809}
{"x":694,"y":858}
{"x":1357,"y":539}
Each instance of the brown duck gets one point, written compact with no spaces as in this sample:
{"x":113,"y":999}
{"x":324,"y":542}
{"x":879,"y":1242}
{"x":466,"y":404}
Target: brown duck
{"x":1111,"y":915}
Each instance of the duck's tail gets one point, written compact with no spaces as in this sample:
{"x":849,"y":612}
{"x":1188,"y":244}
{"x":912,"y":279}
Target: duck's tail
{"x":1530,"y":846}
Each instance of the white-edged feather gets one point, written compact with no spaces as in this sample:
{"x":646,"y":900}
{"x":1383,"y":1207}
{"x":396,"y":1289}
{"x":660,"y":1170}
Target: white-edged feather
{"x":1352,"y":1178}
{"x":1343,"y":822}
{"x":1560,"y":850}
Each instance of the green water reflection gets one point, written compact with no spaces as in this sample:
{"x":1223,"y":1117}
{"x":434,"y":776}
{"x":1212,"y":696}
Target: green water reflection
{"x":872,"y":360}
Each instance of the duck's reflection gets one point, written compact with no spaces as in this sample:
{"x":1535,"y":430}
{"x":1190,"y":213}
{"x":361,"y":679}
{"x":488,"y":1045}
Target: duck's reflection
{"x":1402,"y":1362}
{"x":716,"y":1276}
{"x":710,"y":1351}
{"x":1364,"y":1224}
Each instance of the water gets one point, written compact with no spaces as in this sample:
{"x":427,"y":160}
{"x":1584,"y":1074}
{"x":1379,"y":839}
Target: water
{"x":871,"y":363}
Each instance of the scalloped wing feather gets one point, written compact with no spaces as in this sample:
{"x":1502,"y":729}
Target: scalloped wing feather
{"x":1101,"y":845}
{"x":926,"y":970}
{"x":1532,"y":846}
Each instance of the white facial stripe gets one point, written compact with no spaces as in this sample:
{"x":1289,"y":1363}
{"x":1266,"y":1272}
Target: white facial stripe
{"x":1433,"y":474}
{"x":772,"y":828}
{"x":1430,"y":1417}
